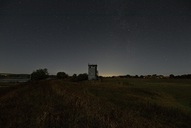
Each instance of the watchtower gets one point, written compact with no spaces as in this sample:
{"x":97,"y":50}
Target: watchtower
{"x":92,"y":72}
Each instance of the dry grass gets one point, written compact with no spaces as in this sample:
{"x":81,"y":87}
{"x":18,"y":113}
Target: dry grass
{"x":106,"y":104}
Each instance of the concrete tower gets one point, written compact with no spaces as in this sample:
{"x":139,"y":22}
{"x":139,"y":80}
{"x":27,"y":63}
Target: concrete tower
{"x":92,"y":72}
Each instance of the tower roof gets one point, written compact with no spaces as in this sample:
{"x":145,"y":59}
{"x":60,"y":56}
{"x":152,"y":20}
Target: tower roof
{"x":92,"y":64}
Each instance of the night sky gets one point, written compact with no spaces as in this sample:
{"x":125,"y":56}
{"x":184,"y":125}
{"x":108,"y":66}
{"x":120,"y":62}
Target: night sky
{"x":121,"y":36}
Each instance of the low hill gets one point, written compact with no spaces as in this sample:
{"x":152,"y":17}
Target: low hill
{"x":101,"y":104}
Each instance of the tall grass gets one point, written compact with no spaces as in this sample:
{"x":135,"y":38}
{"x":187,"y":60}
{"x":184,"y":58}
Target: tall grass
{"x":109,"y":103}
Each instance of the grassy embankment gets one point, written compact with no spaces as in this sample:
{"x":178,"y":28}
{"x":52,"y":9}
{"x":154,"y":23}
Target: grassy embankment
{"x":134,"y":103}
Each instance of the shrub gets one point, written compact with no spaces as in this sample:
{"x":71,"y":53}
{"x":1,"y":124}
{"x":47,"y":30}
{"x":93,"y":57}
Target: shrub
{"x":39,"y":74}
{"x":82,"y":77}
{"x":61,"y":75}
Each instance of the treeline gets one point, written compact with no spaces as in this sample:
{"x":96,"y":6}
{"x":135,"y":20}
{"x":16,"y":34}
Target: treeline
{"x":41,"y":74}
{"x":140,"y":76}
{"x":187,"y":76}
{"x":74,"y":77}
{"x":155,"y":76}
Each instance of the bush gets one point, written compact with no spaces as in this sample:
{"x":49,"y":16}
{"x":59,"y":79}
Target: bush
{"x":171,"y":76}
{"x":74,"y":78}
{"x":39,"y":74}
{"x":61,"y":75}
{"x":80,"y":77}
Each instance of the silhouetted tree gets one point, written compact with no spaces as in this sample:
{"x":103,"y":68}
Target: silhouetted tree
{"x":128,"y":76}
{"x":82,"y":77}
{"x":61,"y":75}
{"x":186,"y":76}
{"x":141,"y":76}
{"x":154,"y":76}
{"x":39,"y":74}
{"x":171,"y":76}
{"x":74,"y":78}
{"x":136,"y":76}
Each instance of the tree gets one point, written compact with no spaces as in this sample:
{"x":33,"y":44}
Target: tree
{"x":82,"y":77}
{"x":39,"y":74}
{"x":171,"y":76}
{"x":154,"y":76}
{"x":141,"y":76}
{"x":74,"y":78}
{"x":61,"y":75}
{"x":136,"y":76}
{"x":128,"y":76}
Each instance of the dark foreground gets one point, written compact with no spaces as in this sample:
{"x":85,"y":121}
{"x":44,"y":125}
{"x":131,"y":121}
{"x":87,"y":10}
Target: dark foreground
{"x":104,"y":104}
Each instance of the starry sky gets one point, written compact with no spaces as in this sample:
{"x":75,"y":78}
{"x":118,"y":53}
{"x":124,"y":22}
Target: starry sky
{"x":120,"y":36}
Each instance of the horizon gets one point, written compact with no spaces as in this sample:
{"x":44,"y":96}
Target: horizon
{"x":104,"y":75}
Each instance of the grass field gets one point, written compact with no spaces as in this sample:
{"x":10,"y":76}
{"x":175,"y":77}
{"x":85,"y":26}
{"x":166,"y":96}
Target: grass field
{"x":110,"y":103}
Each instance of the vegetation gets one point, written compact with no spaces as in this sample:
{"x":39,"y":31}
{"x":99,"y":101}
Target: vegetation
{"x":39,"y":74}
{"x":110,"y":103}
{"x":80,"y":77}
{"x":62,"y":75}
{"x":154,"y":76}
